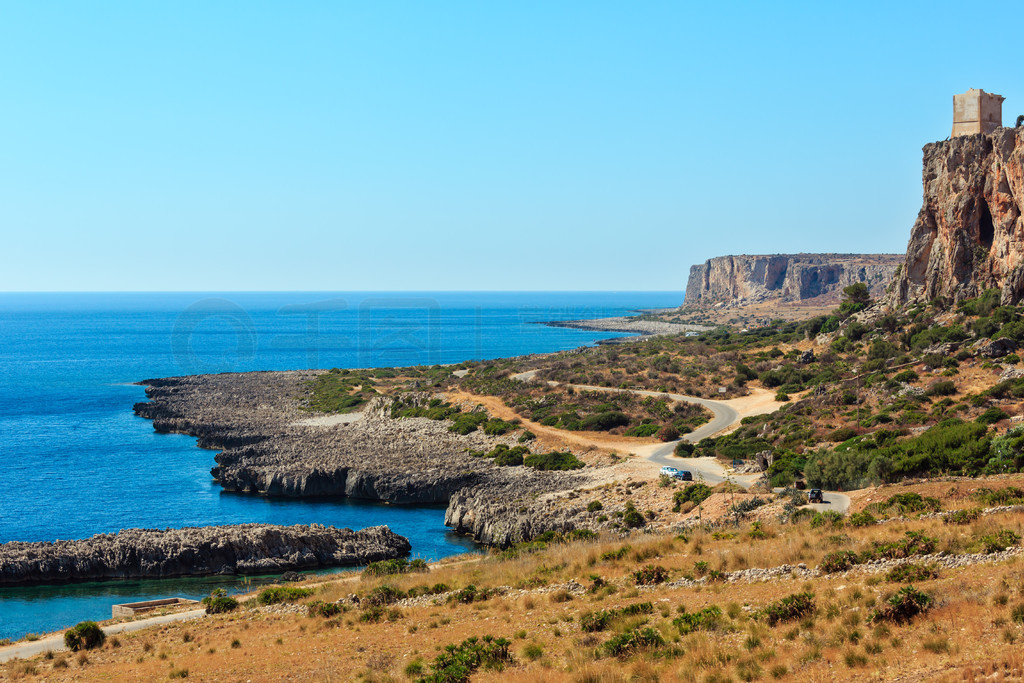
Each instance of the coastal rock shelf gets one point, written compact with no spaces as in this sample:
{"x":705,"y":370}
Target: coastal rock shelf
{"x":196,"y":551}
{"x":271,"y":447}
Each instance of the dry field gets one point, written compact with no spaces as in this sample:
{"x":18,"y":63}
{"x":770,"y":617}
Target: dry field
{"x":974,"y":629}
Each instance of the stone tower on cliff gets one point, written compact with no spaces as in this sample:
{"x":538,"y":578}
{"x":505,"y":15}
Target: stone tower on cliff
{"x":977,"y":111}
{"x":969,"y":234}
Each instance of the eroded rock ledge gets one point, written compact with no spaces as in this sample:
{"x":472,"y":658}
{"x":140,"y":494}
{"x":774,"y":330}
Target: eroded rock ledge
{"x":270,"y":448}
{"x":196,"y":551}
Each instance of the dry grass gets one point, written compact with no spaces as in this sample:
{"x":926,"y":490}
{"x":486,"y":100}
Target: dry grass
{"x":971,"y":633}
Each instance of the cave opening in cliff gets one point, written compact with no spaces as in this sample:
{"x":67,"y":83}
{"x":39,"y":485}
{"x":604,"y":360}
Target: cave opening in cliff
{"x":986,"y":231}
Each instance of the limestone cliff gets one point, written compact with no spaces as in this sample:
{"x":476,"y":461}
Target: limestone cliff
{"x":787,"y":277}
{"x":969,"y":234}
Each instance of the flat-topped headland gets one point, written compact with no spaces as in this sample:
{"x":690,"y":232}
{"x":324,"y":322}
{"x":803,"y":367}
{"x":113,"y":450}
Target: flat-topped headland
{"x":269,"y":446}
{"x":196,"y":551}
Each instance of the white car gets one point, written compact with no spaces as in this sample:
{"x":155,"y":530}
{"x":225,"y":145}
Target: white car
{"x":669,"y":471}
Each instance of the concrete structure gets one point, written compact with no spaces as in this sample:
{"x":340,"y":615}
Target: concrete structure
{"x":130,"y":609}
{"x":976,"y":111}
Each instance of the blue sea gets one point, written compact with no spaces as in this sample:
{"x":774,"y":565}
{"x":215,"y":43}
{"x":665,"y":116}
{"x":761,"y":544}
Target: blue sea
{"x":77,"y":462}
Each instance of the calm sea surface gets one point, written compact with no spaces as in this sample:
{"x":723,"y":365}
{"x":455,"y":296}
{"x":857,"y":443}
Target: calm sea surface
{"x":77,"y":462}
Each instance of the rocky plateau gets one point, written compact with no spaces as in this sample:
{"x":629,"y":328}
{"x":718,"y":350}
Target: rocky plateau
{"x":269,"y":447}
{"x":196,"y":551}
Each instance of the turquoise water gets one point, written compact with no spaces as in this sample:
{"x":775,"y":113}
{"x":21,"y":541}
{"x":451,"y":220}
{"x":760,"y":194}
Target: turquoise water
{"x":77,"y":462}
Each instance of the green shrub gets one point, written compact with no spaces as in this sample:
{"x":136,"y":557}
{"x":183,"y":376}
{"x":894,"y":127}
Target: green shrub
{"x":905,"y":376}
{"x":838,"y":561}
{"x":999,"y":541}
{"x":553,"y":461}
{"x":795,"y":606}
{"x":1010,"y":495}
{"x":276,"y":594}
{"x":903,"y":606}
{"x":650,"y":574}
{"x":707,"y":619}
{"x":841,"y":434}
{"x":319,"y":608}
{"x":909,"y":573}
{"x":632,"y":518}
{"x":85,"y":635}
{"x":829,"y":518}
{"x":610,"y":555}
{"x":595,"y":506}
{"x":1017,"y":613}
{"x":600,"y":619}
{"x":638,"y":639}
{"x":471,"y":594}
{"x":694,"y":493}
{"x":862,"y":519}
{"x":218,"y":602}
{"x":458,"y":662}
{"x":913,"y":543}
{"x":533,"y":652}
{"x":991,"y":416}
{"x":941,"y":388}
{"x":596,"y":621}
{"x":384,"y":595}
{"x":684,"y":449}
{"x":642,"y":430}
{"x":961,"y":516}
{"x":395,"y":566}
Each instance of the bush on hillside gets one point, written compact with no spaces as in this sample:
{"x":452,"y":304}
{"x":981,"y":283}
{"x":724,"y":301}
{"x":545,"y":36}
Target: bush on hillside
{"x":86,"y":635}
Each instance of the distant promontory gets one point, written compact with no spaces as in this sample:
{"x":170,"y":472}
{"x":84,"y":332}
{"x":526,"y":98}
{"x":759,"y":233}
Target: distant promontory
{"x":746,"y":279}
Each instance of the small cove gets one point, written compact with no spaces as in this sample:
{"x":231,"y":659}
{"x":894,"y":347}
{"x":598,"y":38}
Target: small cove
{"x":78,"y":462}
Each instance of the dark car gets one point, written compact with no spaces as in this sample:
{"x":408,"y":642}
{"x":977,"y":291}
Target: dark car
{"x":815,"y":496}
{"x":684,"y":475}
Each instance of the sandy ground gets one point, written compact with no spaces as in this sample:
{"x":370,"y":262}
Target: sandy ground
{"x":759,"y":402}
{"x":551,"y":437}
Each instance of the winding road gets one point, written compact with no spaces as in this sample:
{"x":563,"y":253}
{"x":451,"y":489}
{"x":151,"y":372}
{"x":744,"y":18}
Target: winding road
{"x":708,"y":469}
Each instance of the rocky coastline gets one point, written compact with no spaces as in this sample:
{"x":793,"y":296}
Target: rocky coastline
{"x":196,"y":551}
{"x":646,"y":328}
{"x":268,"y":447}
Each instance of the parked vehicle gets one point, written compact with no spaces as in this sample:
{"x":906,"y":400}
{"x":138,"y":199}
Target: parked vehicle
{"x":684,"y":475}
{"x":669,"y":471}
{"x":815,"y":496}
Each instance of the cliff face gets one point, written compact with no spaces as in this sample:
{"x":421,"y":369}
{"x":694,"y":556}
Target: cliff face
{"x":787,"y":277}
{"x":969,"y":234}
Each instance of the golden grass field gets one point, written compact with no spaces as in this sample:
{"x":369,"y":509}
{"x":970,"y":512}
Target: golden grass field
{"x":974,"y":630}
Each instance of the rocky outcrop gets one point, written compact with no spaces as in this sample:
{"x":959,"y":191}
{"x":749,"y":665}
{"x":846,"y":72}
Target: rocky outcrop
{"x":270,"y":447}
{"x":196,"y":551}
{"x":969,"y":234}
{"x":746,"y":279}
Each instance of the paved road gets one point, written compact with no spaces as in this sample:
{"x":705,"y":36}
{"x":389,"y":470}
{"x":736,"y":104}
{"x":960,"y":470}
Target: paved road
{"x":56,"y":642}
{"x":833,"y":501}
{"x":707,"y":469}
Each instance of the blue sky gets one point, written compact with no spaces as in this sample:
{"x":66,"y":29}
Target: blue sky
{"x":467,"y":145}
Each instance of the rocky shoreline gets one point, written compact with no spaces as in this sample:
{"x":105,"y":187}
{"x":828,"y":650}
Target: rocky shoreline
{"x":646,"y":328}
{"x":196,"y":551}
{"x":270,"y":448}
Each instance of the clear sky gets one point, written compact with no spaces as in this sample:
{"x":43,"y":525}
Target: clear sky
{"x":468,"y":145}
